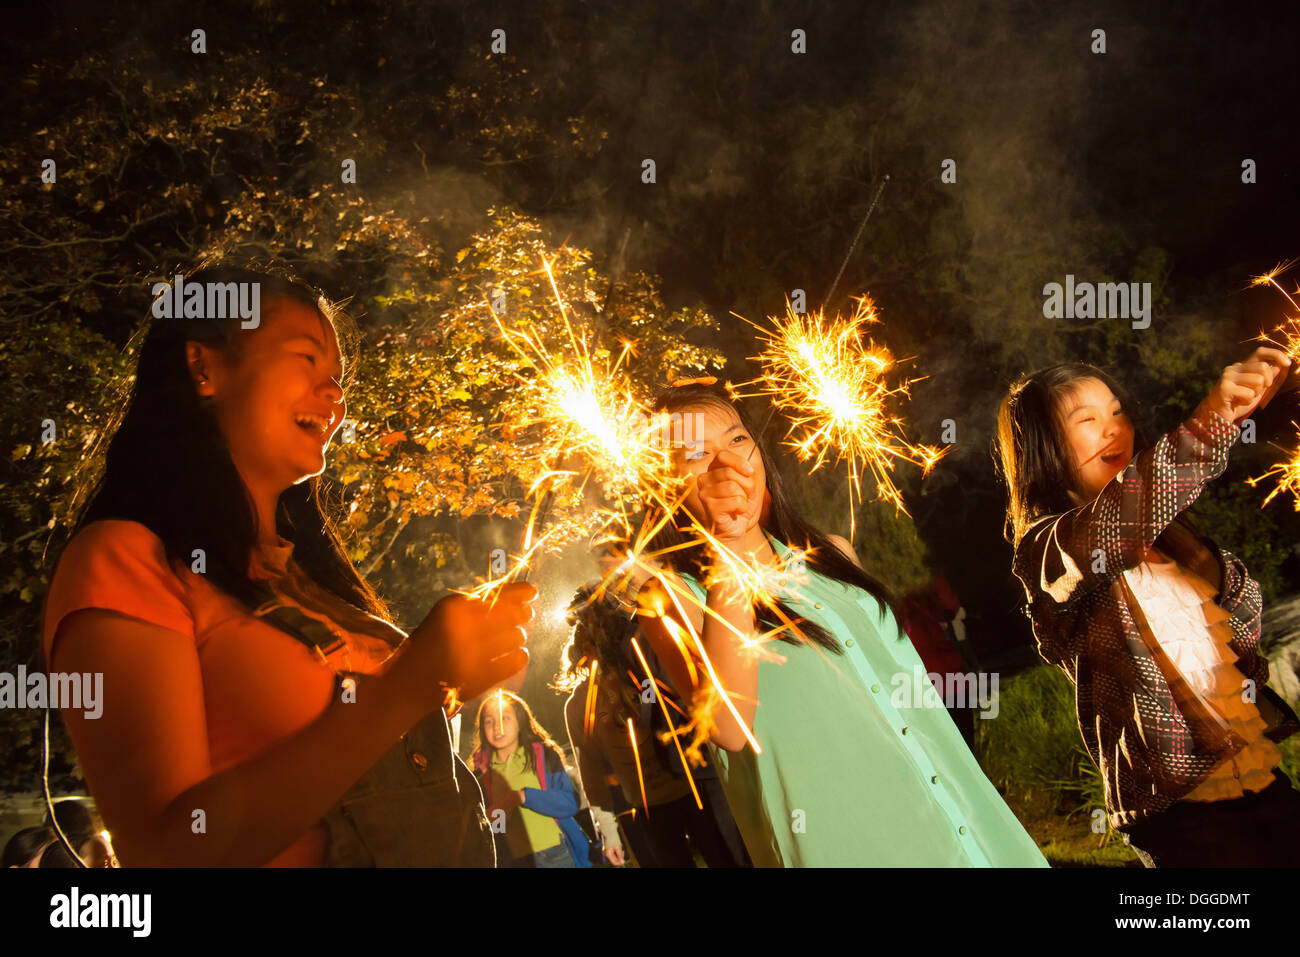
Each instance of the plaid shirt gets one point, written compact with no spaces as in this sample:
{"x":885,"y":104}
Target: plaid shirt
{"x":1152,"y":737}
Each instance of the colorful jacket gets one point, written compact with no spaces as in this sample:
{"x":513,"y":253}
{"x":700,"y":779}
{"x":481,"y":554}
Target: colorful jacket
{"x":1152,"y":738}
{"x":555,"y":798}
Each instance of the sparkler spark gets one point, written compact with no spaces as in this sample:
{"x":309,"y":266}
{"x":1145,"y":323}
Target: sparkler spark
{"x":1288,"y":333}
{"x":1289,"y":330}
{"x":636,"y":756}
{"x":600,"y":440}
{"x":587,"y":413}
{"x":672,"y":731}
{"x":830,"y":380}
{"x":590,"y":419}
{"x":1288,"y":474}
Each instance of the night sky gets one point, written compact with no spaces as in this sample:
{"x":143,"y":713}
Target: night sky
{"x":1068,"y":162}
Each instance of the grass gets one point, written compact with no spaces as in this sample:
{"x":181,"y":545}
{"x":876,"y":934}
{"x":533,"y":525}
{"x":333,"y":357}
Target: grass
{"x":1033,"y":753}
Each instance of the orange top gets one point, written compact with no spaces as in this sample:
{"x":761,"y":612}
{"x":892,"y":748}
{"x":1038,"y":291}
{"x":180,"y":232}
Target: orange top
{"x":260,"y":684}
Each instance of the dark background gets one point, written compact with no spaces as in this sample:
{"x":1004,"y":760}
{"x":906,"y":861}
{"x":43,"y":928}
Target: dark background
{"x":1117,"y":167}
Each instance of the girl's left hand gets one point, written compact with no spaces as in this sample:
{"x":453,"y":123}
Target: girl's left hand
{"x":1249,"y":385}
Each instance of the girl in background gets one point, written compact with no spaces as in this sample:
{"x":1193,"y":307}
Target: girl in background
{"x":846,"y":777}
{"x":1155,"y":626}
{"x":530,"y":798}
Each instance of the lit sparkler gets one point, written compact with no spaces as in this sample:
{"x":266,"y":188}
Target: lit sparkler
{"x":831,"y":382}
{"x":596,"y":433}
{"x":589,"y":417}
{"x":1288,"y":333}
{"x":1290,"y":328}
{"x":1288,"y":474}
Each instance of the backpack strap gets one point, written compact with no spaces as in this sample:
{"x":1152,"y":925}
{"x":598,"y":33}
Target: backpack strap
{"x":539,"y":760}
{"x":481,"y":766}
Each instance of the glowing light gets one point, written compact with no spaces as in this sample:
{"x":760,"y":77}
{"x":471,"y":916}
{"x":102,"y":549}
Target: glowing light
{"x":1287,"y":472}
{"x":636,"y":756}
{"x":831,"y":381}
{"x":1287,"y":338}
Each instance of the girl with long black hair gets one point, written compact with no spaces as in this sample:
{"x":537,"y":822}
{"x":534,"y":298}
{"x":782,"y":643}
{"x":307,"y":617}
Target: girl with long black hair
{"x":850,"y":771}
{"x":1155,"y":625}
{"x":251,"y":676}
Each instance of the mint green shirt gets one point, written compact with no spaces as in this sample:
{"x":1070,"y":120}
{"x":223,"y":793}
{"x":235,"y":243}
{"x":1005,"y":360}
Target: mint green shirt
{"x":846,"y":778}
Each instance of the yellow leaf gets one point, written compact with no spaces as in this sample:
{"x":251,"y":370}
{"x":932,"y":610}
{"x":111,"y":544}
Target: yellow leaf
{"x":462,"y":254}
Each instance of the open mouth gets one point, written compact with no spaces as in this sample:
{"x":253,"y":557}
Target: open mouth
{"x":317,"y":426}
{"x":1113,"y":457}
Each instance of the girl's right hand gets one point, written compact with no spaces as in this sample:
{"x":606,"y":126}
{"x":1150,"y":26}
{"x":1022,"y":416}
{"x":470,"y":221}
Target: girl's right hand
{"x":467,"y":645}
{"x":726,"y":496}
{"x":1246,"y":386}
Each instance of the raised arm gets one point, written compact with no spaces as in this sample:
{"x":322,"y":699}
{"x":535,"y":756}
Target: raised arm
{"x":1063,"y":558}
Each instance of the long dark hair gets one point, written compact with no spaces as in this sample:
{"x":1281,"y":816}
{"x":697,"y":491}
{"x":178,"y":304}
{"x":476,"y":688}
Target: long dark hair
{"x":24,"y":845}
{"x":169,"y":468}
{"x":784,"y":521}
{"x":529,"y":732}
{"x":1036,"y":462}
{"x":600,"y":635}
{"x":1031,"y":446}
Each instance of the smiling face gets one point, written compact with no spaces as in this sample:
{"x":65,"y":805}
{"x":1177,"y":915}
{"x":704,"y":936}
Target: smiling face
{"x":1098,"y":434}
{"x":279,"y":402}
{"x":715,"y":429}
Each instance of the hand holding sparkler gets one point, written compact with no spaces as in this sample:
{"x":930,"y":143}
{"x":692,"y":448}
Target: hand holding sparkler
{"x":1248,"y":385}
{"x":1288,"y":341}
{"x":463,"y":647}
{"x":725,"y":495}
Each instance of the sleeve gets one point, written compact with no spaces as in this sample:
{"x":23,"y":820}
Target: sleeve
{"x":586,"y":751}
{"x":1240,"y":596}
{"x":558,"y":800}
{"x":1064,"y":558}
{"x":117,"y":566}
{"x":606,"y":826}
